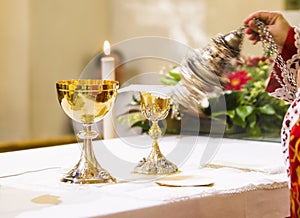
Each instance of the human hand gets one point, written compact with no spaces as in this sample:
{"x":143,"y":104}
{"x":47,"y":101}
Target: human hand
{"x":277,"y":25}
{"x":298,"y":79}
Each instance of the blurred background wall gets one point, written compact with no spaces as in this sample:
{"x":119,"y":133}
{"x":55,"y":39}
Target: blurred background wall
{"x":43,"y":41}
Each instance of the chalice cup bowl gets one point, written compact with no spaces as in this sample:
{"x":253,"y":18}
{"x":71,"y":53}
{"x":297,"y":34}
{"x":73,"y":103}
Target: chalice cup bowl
{"x":87,"y":102}
{"x":155,"y":107}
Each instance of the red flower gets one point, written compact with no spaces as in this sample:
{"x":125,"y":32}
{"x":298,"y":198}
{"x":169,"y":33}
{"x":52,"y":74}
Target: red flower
{"x":237,"y":80}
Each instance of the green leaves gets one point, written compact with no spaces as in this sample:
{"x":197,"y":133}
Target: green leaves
{"x":172,"y":77}
{"x":143,"y":124}
{"x":251,"y":108}
{"x":243,"y":111}
{"x":175,"y":75}
{"x":267,"y":109}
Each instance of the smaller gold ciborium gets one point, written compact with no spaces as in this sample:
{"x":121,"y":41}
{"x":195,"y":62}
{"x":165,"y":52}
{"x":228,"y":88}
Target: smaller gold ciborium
{"x":87,"y":102}
{"x":154,"y":108}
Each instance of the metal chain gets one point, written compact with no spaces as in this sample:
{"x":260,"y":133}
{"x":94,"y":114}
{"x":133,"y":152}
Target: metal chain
{"x":288,"y":81}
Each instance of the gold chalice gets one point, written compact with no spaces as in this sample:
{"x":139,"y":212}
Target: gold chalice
{"x":87,"y":102}
{"x":155,"y":108}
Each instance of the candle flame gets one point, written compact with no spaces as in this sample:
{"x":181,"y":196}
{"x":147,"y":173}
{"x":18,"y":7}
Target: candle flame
{"x":106,"y":47}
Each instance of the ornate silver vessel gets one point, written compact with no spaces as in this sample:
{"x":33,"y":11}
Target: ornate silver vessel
{"x":204,"y":72}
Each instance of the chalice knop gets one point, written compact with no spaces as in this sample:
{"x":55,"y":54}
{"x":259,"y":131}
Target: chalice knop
{"x":154,"y":108}
{"x":87,"y":102}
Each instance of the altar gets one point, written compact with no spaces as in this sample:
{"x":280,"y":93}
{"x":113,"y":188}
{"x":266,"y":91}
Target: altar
{"x":240,"y":178}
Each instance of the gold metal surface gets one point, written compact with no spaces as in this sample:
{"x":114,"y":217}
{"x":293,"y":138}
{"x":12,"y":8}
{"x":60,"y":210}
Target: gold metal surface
{"x":155,"y":108}
{"x":87,"y":102}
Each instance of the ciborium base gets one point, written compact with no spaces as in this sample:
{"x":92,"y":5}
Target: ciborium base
{"x":155,"y":164}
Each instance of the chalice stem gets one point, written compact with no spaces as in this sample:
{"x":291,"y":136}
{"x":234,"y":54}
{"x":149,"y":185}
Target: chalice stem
{"x":88,"y":170}
{"x":155,"y":147}
{"x":155,"y":133}
{"x":155,"y":154}
{"x":156,"y":163}
{"x":88,"y":155}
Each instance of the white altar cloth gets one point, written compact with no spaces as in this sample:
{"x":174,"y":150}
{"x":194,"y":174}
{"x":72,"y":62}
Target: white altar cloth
{"x":249,"y":181}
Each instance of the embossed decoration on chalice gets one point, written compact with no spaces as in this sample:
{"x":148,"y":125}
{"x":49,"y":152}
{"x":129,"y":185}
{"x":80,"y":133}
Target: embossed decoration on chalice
{"x":155,"y":108}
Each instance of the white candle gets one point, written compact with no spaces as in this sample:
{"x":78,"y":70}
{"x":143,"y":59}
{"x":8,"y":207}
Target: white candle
{"x":108,"y":73}
{"x":107,"y":63}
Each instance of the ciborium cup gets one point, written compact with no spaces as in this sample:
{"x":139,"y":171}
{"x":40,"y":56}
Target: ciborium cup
{"x":87,"y":102}
{"x":155,"y":108}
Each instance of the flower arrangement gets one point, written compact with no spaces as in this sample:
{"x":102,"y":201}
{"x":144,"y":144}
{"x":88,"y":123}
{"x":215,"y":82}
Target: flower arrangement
{"x":248,"y":106}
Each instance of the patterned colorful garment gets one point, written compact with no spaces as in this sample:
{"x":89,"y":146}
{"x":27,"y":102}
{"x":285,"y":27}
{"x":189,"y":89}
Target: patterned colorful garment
{"x":290,"y":133}
{"x":294,"y":154}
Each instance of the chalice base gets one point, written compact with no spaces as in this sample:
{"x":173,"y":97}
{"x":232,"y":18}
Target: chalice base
{"x":155,"y":164}
{"x":87,"y":173}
